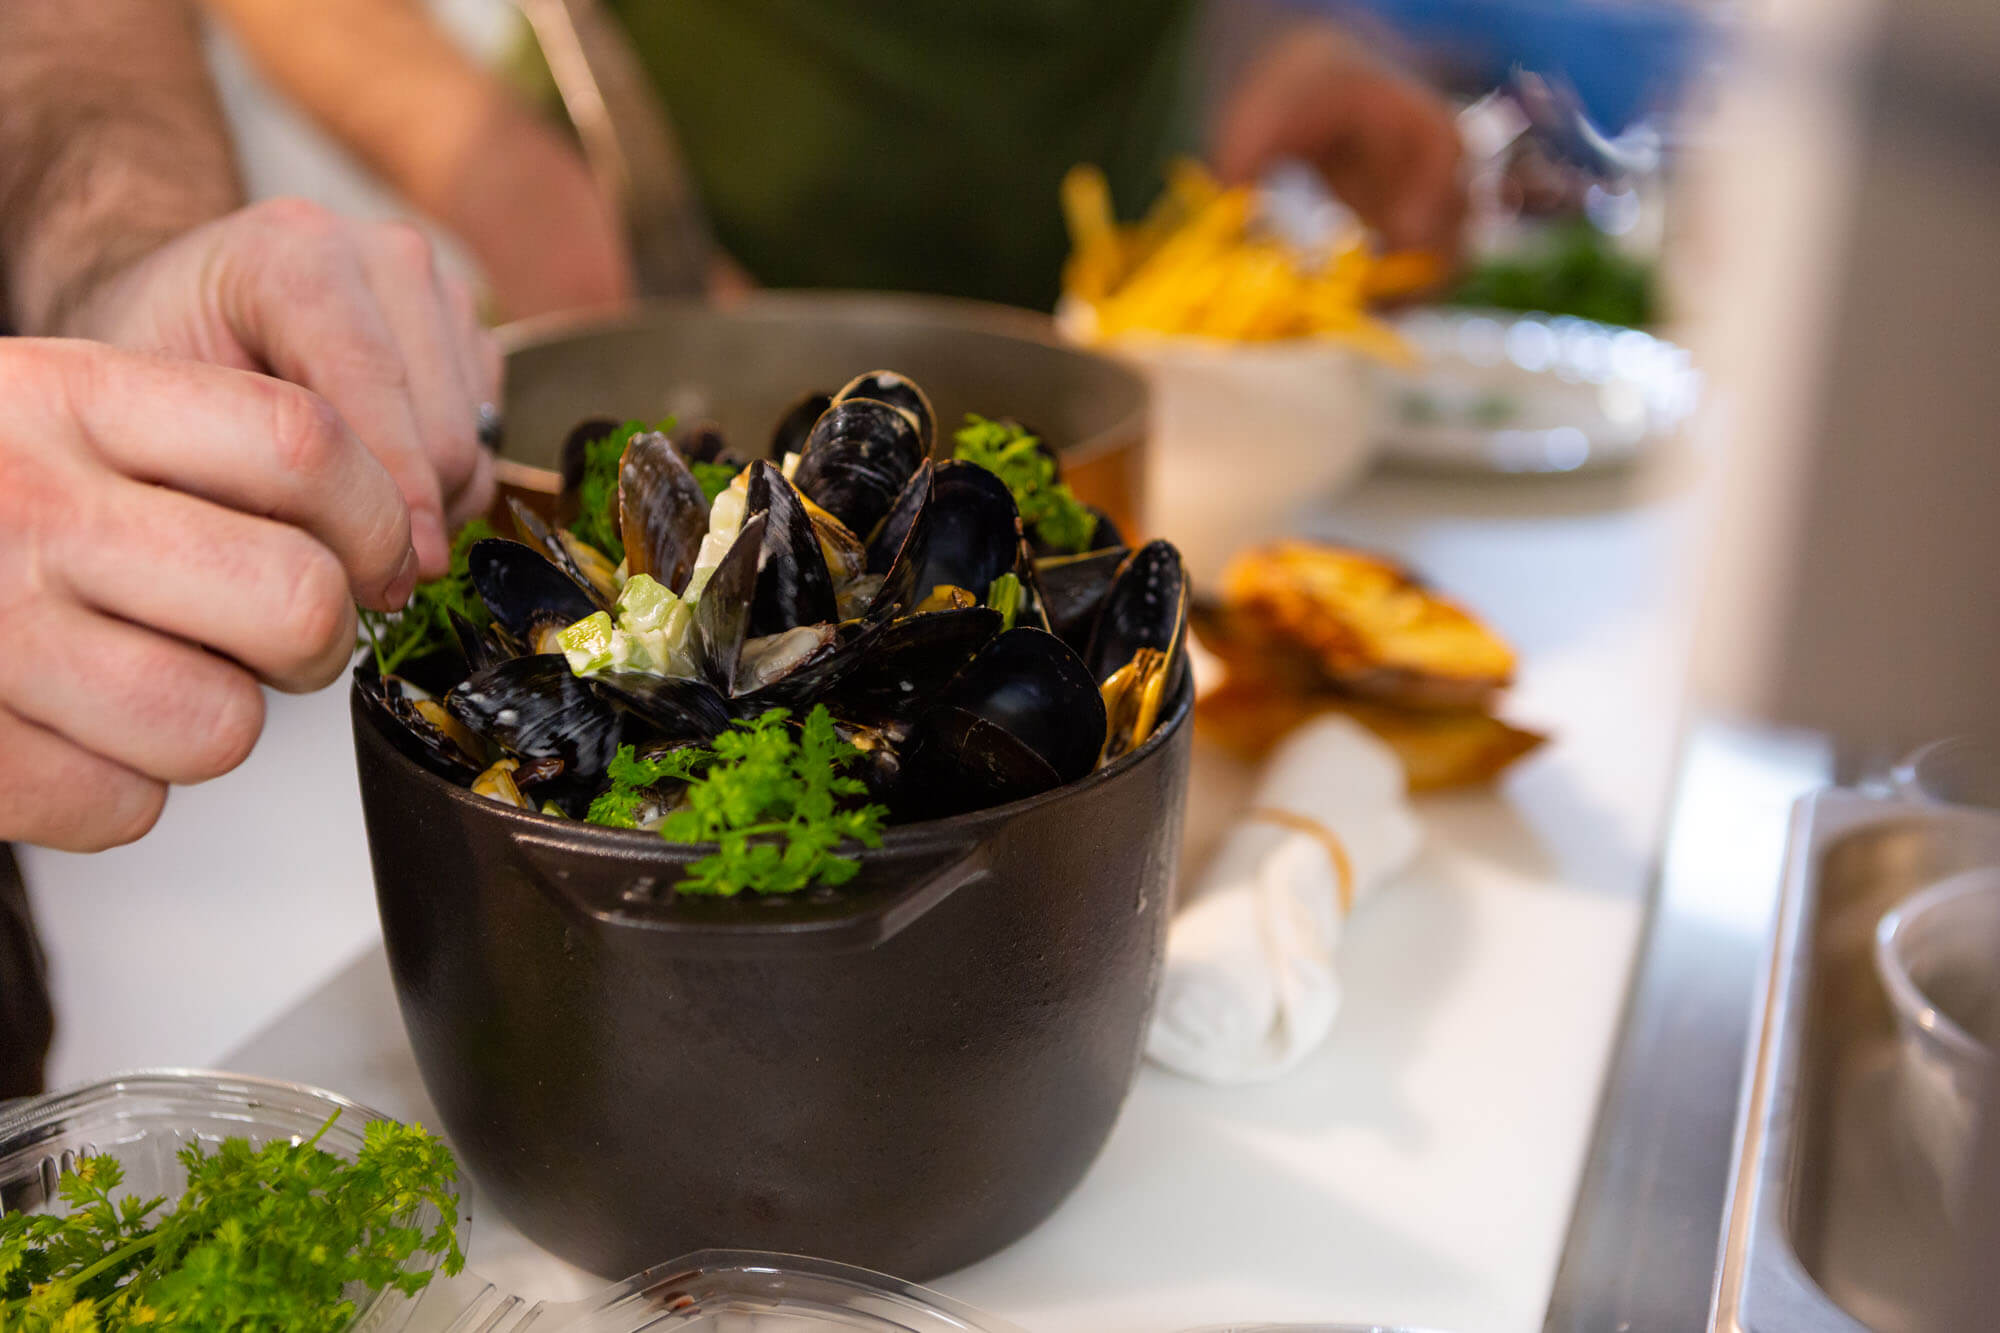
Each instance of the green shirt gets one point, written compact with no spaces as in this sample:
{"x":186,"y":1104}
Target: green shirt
{"x":915,"y":146}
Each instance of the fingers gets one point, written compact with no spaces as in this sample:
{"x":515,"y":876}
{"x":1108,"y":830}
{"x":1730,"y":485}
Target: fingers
{"x":254,"y":444}
{"x":158,"y":707}
{"x":261,"y":593}
{"x":444,"y":378}
{"x":56,"y":794}
{"x":300,"y":295}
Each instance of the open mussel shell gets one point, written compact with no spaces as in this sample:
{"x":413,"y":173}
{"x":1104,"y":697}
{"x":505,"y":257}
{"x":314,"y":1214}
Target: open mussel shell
{"x":857,"y":457}
{"x":905,"y":662}
{"x":722,"y":613}
{"x":897,"y":551}
{"x":1146,"y":606}
{"x":530,"y":598}
{"x":584,"y":563}
{"x":534,"y":708}
{"x":421,"y":727}
{"x":1022,"y":717}
{"x":793,"y":584}
{"x":1073,"y":589}
{"x":797,"y":667}
{"x":789,"y":437}
{"x":670,"y":709}
{"x":974,"y":531}
{"x":662,"y":512}
{"x":898,"y":391}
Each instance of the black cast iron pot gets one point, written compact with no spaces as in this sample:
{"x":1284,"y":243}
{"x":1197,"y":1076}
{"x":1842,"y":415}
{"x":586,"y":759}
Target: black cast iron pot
{"x":906,"y":1076}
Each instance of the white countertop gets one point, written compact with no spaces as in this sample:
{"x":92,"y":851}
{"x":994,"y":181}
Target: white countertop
{"x":1418,"y":1170}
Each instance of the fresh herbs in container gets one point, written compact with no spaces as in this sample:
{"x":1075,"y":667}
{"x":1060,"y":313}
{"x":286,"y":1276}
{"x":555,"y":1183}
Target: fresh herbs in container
{"x":272,"y":1239}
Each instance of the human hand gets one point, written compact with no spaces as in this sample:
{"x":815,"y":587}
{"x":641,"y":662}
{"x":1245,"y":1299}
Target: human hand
{"x":1386,"y":144}
{"x":170,"y":534}
{"x":357,"y":312}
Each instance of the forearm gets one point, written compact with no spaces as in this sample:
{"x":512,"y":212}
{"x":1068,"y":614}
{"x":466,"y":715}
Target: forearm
{"x":386,"y":81}
{"x":111,"y":142}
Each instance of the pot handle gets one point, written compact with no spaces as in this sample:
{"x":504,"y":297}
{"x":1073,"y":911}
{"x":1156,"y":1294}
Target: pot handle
{"x":634,"y":891}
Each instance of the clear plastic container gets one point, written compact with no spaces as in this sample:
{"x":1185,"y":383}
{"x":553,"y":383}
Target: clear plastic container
{"x":144,"y":1119}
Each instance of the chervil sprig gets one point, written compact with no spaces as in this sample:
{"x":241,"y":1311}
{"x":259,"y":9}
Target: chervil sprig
{"x":1048,"y":507}
{"x":778,"y":806}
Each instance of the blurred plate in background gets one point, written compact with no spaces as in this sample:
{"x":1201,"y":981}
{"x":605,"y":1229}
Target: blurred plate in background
{"x":1495,"y":391}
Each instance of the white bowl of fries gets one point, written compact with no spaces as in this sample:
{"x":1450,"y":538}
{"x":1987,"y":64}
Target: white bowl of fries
{"x":1257,"y":352}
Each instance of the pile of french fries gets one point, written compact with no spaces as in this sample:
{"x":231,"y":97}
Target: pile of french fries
{"x":1201,"y":265}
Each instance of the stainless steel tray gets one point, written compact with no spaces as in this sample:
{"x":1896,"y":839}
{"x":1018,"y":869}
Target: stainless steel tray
{"x":1829,"y":1229}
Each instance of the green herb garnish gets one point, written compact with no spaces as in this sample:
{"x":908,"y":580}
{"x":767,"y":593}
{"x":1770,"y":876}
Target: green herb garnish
{"x":1058,"y":519}
{"x":424,"y":626}
{"x":773,"y":801}
{"x":1575,"y":270}
{"x":261,"y":1238}
{"x":714,"y":478}
{"x":596,"y":519}
{"x":617,"y":806}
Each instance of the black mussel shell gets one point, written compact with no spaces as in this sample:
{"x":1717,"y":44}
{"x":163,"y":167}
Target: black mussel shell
{"x":535,"y":708}
{"x":789,"y":437}
{"x":904,"y":664}
{"x":702,"y":442}
{"x":856,"y":460}
{"x":957,"y":761}
{"x":1023,"y":716}
{"x":539,"y":537}
{"x":901,"y":543}
{"x":525,"y":593}
{"x":667,"y":708}
{"x":480,"y":649}
{"x":722,"y":611}
{"x":975,"y":531}
{"x":1073,"y":589}
{"x":793,"y":585}
{"x":412,"y":733}
{"x":1106,"y":536}
{"x":662,"y":513}
{"x":898,"y":391}
{"x":571,"y":458}
{"x":1146,"y":606}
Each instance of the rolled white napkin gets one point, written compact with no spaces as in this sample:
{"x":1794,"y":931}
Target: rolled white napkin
{"x":1250,"y":986}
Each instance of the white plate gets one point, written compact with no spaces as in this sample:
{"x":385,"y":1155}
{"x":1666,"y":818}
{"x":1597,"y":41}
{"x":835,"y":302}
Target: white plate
{"x":1496,"y":391}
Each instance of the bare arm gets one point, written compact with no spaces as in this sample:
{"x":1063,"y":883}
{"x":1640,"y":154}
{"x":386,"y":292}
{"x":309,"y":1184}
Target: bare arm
{"x":111,"y":142}
{"x":382,"y":78}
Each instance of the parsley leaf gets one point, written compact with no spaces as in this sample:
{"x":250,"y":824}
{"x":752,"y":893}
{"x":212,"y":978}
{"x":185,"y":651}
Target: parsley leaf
{"x":618,"y":805}
{"x":1058,"y":519}
{"x":778,"y":807}
{"x":713,"y":478}
{"x":424,"y":626}
{"x":260,"y":1239}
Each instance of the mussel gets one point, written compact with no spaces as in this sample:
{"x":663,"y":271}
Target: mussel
{"x":531,"y":599}
{"x":789,"y":437}
{"x":672,"y":709}
{"x":1022,"y":717}
{"x":584,"y":563}
{"x":662,"y":512}
{"x":857,"y":457}
{"x":974,"y":531}
{"x":534,"y":707}
{"x":793,"y":585}
{"x":1073,"y":588}
{"x":898,"y":391}
{"x":1138,"y":649}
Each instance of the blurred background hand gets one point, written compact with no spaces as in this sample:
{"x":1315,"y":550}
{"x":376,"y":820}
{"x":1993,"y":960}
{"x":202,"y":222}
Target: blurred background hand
{"x":1386,"y":144}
